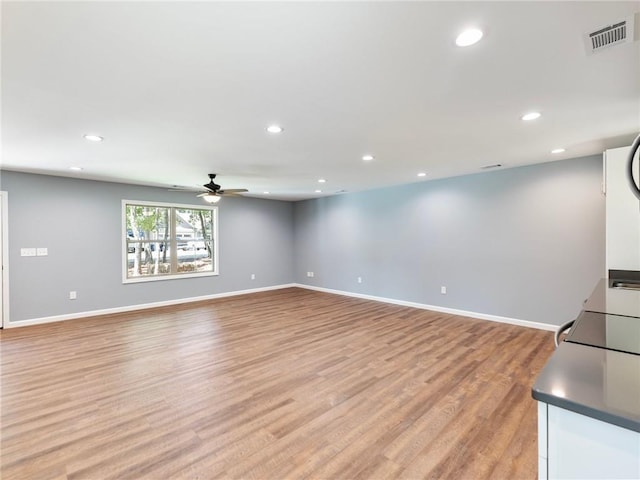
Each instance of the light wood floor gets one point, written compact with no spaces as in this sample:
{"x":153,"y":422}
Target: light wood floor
{"x":283,"y":384}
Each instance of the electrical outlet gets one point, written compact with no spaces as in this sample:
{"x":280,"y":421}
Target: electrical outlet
{"x":27,"y":252}
{"x":443,"y":290}
{"x":73,"y":295}
{"x":253,"y":276}
{"x":42,"y":251}
{"x":310,"y":274}
{"x":359,"y":279}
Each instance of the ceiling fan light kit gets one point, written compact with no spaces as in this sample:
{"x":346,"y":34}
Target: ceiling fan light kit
{"x":210,"y":197}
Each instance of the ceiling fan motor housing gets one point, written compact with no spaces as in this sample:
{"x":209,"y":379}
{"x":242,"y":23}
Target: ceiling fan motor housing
{"x":214,"y":187}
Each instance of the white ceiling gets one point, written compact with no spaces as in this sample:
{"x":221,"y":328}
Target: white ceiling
{"x":182,"y":89}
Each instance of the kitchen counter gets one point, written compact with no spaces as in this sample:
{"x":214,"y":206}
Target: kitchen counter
{"x":596,"y":382}
{"x":601,"y":384}
{"x":589,"y":393}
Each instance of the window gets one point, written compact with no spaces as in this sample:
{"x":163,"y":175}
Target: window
{"x":162,"y":241}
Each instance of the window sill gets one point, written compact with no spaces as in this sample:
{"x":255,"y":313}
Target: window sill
{"x":156,"y":278}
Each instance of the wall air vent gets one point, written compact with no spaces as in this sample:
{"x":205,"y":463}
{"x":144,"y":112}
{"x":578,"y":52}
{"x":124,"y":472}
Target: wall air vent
{"x":610,"y":35}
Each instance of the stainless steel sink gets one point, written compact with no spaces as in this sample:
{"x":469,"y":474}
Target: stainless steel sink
{"x":626,"y":284}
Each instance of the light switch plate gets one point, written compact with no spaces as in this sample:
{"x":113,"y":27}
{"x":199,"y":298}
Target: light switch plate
{"x":27,"y":252}
{"x":42,"y":251}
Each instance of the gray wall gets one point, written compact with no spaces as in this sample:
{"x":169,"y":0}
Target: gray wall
{"x":526,"y":243}
{"x":79,"y":222}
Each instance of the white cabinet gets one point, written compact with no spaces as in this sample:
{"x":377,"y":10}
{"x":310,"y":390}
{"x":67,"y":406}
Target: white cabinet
{"x":623,"y":213}
{"x":574,"y":446}
{"x":543,"y":465}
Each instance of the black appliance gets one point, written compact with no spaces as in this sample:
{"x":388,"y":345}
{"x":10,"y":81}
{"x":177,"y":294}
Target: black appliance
{"x":603,"y":330}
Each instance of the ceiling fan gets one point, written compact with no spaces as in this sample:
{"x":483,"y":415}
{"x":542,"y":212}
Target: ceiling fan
{"x":214,"y":192}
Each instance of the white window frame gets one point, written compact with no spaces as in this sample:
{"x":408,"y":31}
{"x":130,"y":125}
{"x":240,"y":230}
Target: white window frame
{"x":171,"y":276}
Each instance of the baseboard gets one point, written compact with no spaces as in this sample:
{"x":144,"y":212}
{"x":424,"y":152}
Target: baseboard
{"x":435,"y":308}
{"x":145,"y":306}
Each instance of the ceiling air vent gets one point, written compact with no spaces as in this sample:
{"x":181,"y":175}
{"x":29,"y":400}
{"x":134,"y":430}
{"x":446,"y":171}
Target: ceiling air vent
{"x":610,"y":35}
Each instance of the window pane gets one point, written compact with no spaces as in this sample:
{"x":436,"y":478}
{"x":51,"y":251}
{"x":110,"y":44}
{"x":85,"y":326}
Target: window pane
{"x":194,"y":224}
{"x":147,"y":222}
{"x":195,"y":230}
{"x":148,"y":258}
{"x":195,"y":257}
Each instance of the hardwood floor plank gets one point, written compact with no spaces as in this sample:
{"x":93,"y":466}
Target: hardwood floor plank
{"x":286,"y":384}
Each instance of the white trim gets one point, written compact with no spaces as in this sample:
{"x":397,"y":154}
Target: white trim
{"x":172,"y":276}
{"x":145,"y":306}
{"x":191,"y":206}
{"x":4,"y":321}
{"x":435,"y":308}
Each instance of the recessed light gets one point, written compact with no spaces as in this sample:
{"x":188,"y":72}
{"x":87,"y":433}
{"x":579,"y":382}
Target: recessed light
{"x":93,"y":138}
{"x":275,"y":129}
{"x":422,"y":174}
{"x":367,"y":158}
{"x":266,"y":193}
{"x":531,"y":116}
{"x":322,"y":180}
{"x":469,"y":37}
{"x":318,"y":191}
{"x":76,"y":169}
{"x":557,"y":150}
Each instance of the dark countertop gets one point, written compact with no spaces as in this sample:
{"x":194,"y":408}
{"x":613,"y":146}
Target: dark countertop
{"x":613,"y":300}
{"x":599,"y":383}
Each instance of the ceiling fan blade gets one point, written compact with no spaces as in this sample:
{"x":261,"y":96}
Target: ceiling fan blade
{"x":182,"y":188}
{"x":232,"y":191}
